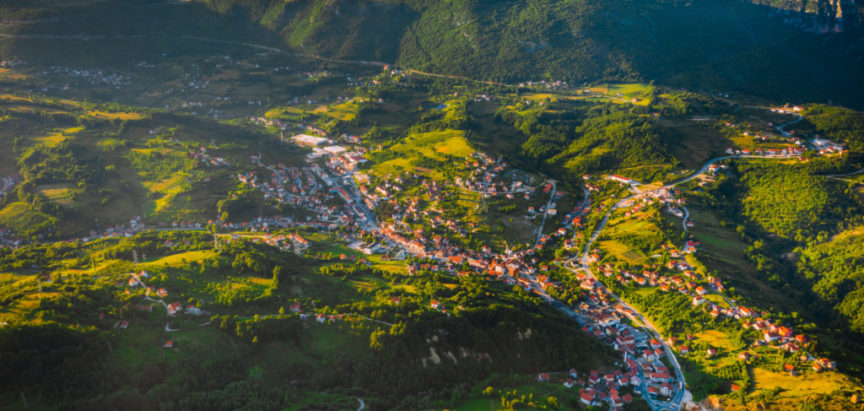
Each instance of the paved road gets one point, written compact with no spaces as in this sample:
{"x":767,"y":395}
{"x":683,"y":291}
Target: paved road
{"x":684,"y":220}
{"x":675,"y":402}
{"x":545,"y":213}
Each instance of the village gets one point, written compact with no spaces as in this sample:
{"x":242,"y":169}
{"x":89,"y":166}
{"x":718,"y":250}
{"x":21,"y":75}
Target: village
{"x":333,"y":191}
{"x":649,"y":371}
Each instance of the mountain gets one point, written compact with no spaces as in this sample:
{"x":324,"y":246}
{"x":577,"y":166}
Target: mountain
{"x":717,"y":45}
{"x":741,"y":48}
{"x":820,"y":15}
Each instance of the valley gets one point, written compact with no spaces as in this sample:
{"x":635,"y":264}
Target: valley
{"x":215,"y":217}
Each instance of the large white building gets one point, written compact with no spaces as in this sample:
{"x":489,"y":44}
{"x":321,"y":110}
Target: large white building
{"x":307,"y":140}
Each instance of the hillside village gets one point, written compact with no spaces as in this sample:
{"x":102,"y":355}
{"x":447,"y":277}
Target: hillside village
{"x":334,"y":191}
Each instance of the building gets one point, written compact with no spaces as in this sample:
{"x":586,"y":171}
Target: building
{"x":309,"y":141}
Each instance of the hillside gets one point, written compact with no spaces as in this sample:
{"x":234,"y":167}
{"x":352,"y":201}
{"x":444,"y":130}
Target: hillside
{"x":257,"y":342}
{"x":729,"y":46}
{"x":717,"y":45}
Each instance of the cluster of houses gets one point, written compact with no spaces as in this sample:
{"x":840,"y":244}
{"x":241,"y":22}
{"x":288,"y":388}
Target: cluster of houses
{"x":601,"y":316}
{"x":92,"y":77}
{"x":340,"y":159}
{"x":546,"y":84}
{"x":9,"y":239}
{"x":137,"y":280}
{"x":491,"y":178}
{"x":790,"y":151}
{"x":787,"y":109}
{"x":310,"y":187}
{"x":10,"y":63}
{"x":826,"y":147}
{"x":201,"y":156}
{"x":598,"y":388}
{"x":7,"y":184}
{"x":291,"y":241}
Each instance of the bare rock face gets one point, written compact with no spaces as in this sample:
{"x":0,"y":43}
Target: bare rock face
{"x":821,"y":16}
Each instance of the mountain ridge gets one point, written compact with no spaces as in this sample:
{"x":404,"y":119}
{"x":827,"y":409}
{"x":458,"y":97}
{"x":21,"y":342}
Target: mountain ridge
{"x":738,"y":47}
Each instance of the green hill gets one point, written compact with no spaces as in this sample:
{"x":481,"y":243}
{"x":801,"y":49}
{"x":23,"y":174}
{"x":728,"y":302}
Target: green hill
{"x":731,"y":46}
{"x":720,"y":45}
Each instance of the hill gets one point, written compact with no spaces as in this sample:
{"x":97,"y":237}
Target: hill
{"x":730,"y":46}
{"x":237,"y":341}
{"x":717,"y":45}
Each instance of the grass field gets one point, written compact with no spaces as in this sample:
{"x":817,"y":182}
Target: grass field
{"x":18,"y":217}
{"x":105,"y":115}
{"x":433,"y":145}
{"x":167,"y":191}
{"x":622,"y":252}
{"x":801,"y":385}
{"x":179,"y":260}
{"x":61,"y":193}
{"x":58,"y":136}
{"x":11,"y":75}
{"x":110,"y":144}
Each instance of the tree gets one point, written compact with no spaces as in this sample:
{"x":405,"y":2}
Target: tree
{"x":278,"y":277}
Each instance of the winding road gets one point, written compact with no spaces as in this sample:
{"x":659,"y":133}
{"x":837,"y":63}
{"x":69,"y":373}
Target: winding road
{"x":545,"y":213}
{"x":675,"y":402}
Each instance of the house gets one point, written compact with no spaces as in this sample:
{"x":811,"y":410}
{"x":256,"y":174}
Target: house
{"x":648,"y":355}
{"x":295,"y":307}
{"x":656,"y":377}
{"x":744,"y":356}
{"x":435,"y":304}
{"x":168,"y":344}
{"x":191,"y":309}
{"x":620,"y":179}
{"x":711,"y":352}
{"x":594,"y":378}
{"x":320,"y":318}
{"x":569,"y":383}
{"x":307,"y":140}
{"x":790,"y":369}
{"x":684,"y":350}
{"x":573,"y":373}
{"x":174,"y":308}
{"x":616,"y":399}
{"x":124,"y":325}
{"x":162,"y":292}
{"x":544,"y":377}
{"x":133,"y":282}
{"x":588,"y":396}
{"x":666,"y":389}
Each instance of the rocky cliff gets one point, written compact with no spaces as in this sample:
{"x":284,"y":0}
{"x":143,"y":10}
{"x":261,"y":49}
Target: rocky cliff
{"x":819,"y":16}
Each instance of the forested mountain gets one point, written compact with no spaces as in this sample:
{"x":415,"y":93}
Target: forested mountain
{"x":713,"y":44}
